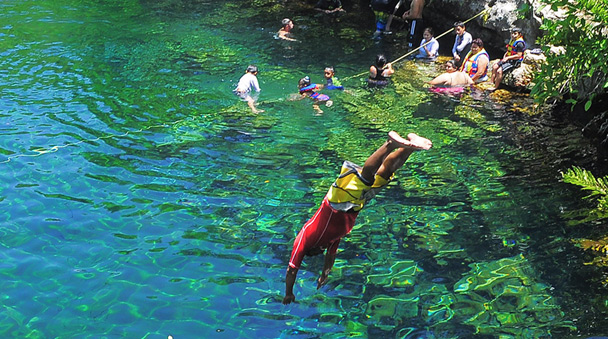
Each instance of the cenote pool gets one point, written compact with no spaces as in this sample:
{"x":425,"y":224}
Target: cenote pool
{"x":141,"y":199}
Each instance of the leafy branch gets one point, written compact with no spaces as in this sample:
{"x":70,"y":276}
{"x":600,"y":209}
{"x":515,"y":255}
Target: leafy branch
{"x":580,"y":71}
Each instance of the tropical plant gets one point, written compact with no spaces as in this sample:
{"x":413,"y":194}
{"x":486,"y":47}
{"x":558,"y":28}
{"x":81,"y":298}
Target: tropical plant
{"x":599,"y":190}
{"x":597,"y":186}
{"x":580,"y":70}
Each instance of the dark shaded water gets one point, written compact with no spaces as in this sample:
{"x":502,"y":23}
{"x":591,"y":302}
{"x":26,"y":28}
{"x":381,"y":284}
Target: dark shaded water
{"x":141,"y":199}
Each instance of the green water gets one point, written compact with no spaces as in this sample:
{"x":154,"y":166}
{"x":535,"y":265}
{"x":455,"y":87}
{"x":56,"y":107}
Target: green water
{"x":141,"y":199}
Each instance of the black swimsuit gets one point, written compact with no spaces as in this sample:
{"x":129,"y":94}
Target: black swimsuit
{"x":379,"y":80}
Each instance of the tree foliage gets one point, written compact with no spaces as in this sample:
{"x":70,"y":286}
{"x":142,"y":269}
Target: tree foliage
{"x":581,"y":70}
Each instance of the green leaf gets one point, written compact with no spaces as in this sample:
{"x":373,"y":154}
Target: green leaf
{"x":588,"y":105}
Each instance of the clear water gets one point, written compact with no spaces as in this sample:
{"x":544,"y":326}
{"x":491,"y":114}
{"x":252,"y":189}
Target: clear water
{"x":141,"y":199}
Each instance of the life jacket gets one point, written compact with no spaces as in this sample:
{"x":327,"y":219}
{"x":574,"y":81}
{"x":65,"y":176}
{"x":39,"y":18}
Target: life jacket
{"x":350,"y":191}
{"x":319,"y":96}
{"x":470,"y":66}
{"x":511,"y":47}
{"x":333,"y":83}
{"x":309,"y":88}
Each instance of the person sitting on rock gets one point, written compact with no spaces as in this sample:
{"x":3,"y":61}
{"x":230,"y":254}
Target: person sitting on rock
{"x":476,"y":62}
{"x":512,"y":58}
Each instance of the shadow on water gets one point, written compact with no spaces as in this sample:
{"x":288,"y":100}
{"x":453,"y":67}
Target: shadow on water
{"x":172,"y":209}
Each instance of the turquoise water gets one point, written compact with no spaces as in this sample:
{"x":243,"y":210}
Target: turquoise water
{"x":141,"y":199}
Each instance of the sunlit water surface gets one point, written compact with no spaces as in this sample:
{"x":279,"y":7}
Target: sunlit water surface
{"x":140,"y":198}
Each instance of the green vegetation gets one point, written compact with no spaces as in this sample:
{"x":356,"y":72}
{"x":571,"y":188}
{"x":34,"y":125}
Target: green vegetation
{"x":597,"y":186}
{"x":599,"y":190}
{"x":580,"y":71}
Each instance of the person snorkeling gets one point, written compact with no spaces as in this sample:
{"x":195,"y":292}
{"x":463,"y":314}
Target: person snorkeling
{"x":380,"y":72}
{"x":308,"y":90}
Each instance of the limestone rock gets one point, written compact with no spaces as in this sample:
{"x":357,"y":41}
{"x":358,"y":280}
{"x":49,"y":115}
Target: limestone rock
{"x":522,"y":76}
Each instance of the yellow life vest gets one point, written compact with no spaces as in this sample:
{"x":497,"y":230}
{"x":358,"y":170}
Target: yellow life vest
{"x":470,"y":66}
{"x":350,"y":191}
{"x":511,"y":47}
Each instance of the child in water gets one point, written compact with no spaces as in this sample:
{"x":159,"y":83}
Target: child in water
{"x":332,"y":82}
{"x":308,"y":90}
{"x":247,"y":84}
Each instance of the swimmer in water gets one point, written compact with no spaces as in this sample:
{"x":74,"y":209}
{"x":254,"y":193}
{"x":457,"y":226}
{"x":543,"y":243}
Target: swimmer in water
{"x":332,"y":81}
{"x":285,"y":31}
{"x":308,"y":90}
{"x":380,"y":72}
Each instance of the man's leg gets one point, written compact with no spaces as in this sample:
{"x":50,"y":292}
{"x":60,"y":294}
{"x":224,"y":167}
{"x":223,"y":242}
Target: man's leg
{"x":497,"y":75}
{"x":383,"y":154}
{"x":395,"y":160}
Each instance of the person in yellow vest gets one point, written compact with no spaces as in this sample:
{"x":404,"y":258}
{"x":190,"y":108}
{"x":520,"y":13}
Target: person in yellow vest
{"x":512,"y":58}
{"x":476,"y":62}
{"x":350,"y":192}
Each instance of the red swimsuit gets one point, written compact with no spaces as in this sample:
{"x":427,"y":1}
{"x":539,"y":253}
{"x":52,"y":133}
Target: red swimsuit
{"x":324,"y":230}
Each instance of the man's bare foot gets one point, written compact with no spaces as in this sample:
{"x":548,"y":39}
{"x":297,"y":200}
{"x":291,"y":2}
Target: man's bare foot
{"x":419,"y":142}
{"x":397,"y":139}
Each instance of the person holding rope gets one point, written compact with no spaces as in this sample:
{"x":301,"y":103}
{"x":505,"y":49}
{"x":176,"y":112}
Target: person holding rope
{"x":429,"y":46}
{"x":351,"y":191}
{"x":380,"y":72}
{"x":462,"y":43}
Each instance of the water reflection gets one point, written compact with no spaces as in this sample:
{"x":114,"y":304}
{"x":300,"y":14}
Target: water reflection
{"x":169,"y":208}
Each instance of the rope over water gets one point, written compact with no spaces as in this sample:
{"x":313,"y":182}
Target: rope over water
{"x":417,"y":48}
{"x":40,"y":151}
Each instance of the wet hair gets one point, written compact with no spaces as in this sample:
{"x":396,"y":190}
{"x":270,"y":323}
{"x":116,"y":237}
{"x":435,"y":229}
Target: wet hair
{"x":252,"y":69}
{"x":305,"y":81}
{"x":380,"y":60}
{"x":477,"y":42}
{"x":285,"y":21}
{"x":430,"y":30}
{"x":459,"y":24}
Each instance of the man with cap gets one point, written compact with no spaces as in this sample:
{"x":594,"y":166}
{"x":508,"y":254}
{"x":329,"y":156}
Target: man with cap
{"x":512,"y":58}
